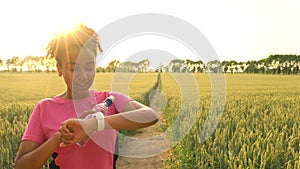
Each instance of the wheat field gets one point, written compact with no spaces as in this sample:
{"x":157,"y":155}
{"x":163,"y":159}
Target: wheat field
{"x":259,"y":127}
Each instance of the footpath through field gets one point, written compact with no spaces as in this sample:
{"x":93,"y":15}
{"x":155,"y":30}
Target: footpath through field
{"x":144,"y":154}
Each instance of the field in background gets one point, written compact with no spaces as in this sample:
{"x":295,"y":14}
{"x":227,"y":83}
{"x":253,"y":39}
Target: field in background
{"x":258,"y":129}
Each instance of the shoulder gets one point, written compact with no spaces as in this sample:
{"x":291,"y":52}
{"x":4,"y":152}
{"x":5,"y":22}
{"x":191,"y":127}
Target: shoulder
{"x":120,"y":100}
{"x":117,"y":94}
{"x":52,"y":103}
{"x":100,"y":96}
{"x":45,"y":100}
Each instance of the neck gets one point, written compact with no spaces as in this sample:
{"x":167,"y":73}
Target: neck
{"x":70,"y":95}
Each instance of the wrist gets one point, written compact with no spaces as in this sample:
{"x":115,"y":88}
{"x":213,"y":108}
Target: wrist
{"x":90,"y":126}
{"x":94,"y":124}
{"x":57,"y":138}
{"x":100,"y":120}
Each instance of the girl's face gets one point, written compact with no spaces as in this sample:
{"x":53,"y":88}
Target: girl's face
{"x":78,"y":71}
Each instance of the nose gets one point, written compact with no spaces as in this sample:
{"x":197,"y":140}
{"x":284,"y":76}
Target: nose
{"x":81,"y":75}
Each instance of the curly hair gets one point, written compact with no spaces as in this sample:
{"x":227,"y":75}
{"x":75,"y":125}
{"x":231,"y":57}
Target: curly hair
{"x":61,"y":44}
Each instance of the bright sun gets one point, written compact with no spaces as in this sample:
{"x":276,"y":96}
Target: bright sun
{"x":63,"y":25}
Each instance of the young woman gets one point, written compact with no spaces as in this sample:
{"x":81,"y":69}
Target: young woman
{"x":53,"y":126}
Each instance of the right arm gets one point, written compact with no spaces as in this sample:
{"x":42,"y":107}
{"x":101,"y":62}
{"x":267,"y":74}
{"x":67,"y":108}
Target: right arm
{"x":34,"y":155}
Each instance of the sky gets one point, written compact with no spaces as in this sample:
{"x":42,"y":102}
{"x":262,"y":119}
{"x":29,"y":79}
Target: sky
{"x":238,"y":30}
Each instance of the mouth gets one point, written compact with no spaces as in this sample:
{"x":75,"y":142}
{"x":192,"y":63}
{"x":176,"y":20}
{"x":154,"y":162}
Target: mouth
{"x":81,"y":85}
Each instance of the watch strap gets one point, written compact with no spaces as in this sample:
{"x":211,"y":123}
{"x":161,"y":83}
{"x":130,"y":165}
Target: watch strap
{"x":100,"y":120}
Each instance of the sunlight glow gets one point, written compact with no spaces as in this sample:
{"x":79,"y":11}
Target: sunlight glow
{"x":239,"y":30}
{"x":64,"y":26}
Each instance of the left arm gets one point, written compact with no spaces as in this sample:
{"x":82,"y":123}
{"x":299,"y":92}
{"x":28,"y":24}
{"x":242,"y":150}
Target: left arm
{"x":134,"y":115}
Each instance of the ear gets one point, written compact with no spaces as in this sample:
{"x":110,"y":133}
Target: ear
{"x":59,"y":70}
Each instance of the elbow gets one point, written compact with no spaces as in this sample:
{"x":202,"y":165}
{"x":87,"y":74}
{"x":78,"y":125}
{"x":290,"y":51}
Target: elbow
{"x":154,"y":117}
{"x":147,"y":118}
{"x":17,"y":165}
{"x":154,"y":121}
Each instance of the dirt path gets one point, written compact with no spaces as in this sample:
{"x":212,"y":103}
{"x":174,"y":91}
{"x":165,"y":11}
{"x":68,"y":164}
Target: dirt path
{"x":138,"y":149}
{"x":147,"y":148}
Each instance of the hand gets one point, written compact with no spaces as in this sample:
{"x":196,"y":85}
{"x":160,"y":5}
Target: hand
{"x":73,"y":130}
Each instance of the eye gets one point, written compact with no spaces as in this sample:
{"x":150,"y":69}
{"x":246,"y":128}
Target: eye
{"x":73,"y":69}
{"x":90,"y":68}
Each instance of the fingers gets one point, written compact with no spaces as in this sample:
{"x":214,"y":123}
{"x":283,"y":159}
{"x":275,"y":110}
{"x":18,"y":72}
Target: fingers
{"x":66,"y":133}
{"x":73,"y":130}
{"x":64,"y":130}
{"x":63,"y":144}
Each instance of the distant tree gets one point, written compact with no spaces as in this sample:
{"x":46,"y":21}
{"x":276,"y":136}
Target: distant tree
{"x":8,"y":63}
{"x":225,"y":65}
{"x":112,"y":66}
{"x":214,"y":66}
{"x":15,"y":61}
{"x":160,"y":68}
{"x":144,"y":65}
{"x":49,"y":64}
{"x":100,"y":69}
{"x":1,"y":62}
{"x":28,"y":61}
{"x":282,"y":58}
{"x":233,"y":62}
{"x":128,"y":66}
{"x":192,"y":66}
{"x":35,"y":63}
{"x":296,"y":69}
{"x":233,"y":66}
{"x":225,"y":68}
{"x":175,"y":65}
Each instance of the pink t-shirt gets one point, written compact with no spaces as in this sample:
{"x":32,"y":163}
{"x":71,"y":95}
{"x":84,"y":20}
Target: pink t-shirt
{"x":48,"y":116}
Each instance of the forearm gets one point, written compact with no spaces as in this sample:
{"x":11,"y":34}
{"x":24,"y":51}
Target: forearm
{"x":39,"y":156}
{"x":129,"y":119}
{"x":134,"y":119}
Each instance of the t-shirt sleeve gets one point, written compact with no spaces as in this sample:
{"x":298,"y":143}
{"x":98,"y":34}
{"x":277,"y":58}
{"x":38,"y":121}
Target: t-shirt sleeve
{"x":34,"y":131}
{"x":120,"y":100}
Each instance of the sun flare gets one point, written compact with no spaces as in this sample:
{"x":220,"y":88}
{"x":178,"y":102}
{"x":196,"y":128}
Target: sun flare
{"x":65,"y":27}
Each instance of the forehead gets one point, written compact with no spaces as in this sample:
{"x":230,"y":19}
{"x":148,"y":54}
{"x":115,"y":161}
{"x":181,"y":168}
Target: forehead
{"x":79,"y":56}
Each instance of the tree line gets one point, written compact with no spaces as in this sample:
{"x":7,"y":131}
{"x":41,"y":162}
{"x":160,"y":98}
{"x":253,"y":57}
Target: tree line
{"x":29,"y":64}
{"x":273,"y":64}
